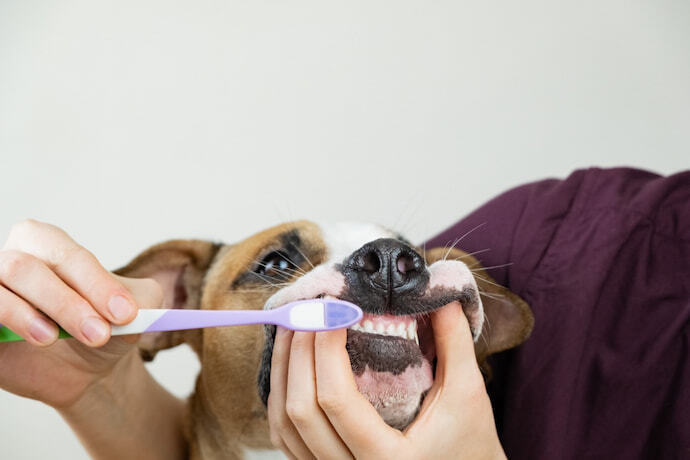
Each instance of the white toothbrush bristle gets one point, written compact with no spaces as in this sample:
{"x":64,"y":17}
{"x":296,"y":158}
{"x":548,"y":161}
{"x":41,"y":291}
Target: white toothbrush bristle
{"x":309,"y":315}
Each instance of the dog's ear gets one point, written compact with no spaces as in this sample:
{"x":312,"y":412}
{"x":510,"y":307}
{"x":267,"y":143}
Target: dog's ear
{"x":508,"y":320}
{"x":179,"y":267}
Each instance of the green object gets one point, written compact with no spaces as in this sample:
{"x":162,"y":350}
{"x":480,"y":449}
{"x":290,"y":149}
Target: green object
{"x":6,"y":335}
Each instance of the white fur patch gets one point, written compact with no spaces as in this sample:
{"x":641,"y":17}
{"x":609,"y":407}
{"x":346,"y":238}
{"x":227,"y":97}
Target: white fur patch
{"x":454,"y":274}
{"x":343,"y":238}
{"x":323,"y":279}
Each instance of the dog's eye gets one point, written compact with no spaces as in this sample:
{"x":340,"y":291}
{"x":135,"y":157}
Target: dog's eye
{"x":276,"y":265}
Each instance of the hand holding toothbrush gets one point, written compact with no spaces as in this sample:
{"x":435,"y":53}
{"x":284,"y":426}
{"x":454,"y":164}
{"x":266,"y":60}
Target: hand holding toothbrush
{"x":46,"y":280}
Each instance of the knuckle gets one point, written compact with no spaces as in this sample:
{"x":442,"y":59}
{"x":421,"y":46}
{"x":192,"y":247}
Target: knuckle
{"x":12,"y":263}
{"x":23,"y":226}
{"x":72,"y":310}
{"x":279,"y":424}
{"x":275,"y":439}
{"x":74,"y":253}
{"x":154,"y":290}
{"x":330,"y":402}
{"x":298,"y":411}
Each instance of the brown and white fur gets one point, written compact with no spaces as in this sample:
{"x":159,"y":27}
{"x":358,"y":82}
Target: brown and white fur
{"x":391,"y":349}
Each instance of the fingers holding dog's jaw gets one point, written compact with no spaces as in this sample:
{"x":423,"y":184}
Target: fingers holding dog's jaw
{"x":454,"y":344}
{"x":351,"y":415}
{"x":279,"y":423}
{"x":455,"y":352}
{"x":302,"y":406}
{"x":458,"y":381}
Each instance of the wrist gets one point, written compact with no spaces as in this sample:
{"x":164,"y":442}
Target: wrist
{"x":109,"y":387}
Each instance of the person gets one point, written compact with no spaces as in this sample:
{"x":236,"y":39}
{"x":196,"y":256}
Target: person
{"x":602,"y":257}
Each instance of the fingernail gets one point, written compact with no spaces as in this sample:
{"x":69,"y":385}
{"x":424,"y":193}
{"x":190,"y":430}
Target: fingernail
{"x":120,"y":307}
{"x":41,"y":330}
{"x":94,"y":329}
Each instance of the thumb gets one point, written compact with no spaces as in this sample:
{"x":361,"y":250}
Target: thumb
{"x":146,"y":291}
{"x":454,"y":344}
{"x":457,"y":373}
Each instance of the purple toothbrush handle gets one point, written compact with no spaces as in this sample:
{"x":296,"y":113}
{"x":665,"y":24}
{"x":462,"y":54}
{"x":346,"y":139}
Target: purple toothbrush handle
{"x":337,"y":314}
{"x":177,"y":320}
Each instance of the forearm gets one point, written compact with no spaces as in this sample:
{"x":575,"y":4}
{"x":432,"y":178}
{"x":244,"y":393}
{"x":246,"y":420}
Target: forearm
{"x":128,"y":415}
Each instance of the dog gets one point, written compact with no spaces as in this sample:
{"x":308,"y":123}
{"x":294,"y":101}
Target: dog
{"x":391,"y":348}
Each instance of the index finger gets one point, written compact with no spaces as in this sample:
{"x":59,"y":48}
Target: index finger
{"x":353,"y":417}
{"x":76,"y":266}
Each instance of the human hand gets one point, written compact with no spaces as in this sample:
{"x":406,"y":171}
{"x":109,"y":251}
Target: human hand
{"x":47,"y":278}
{"x":315,"y":410}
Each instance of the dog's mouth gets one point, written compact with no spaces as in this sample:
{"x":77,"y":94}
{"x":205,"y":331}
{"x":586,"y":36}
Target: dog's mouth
{"x":393,"y":361}
{"x":392,"y":350}
{"x":393,"y":357}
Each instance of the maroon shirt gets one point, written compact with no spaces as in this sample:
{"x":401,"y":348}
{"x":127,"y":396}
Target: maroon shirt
{"x":603,"y":259}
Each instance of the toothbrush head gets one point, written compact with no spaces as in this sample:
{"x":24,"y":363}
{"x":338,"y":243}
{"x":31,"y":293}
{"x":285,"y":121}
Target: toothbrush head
{"x":319,"y":315}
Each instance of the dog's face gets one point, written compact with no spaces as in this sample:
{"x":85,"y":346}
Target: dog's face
{"x":391,"y":350}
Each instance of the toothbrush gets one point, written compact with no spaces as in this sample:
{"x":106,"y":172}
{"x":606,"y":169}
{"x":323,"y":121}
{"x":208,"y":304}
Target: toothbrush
{"x":302,"y":315}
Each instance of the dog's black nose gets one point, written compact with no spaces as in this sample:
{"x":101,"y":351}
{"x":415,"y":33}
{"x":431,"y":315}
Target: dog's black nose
{"x":386,"y":266}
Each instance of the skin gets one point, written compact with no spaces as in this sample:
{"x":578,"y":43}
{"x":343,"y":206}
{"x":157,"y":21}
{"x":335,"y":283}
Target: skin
{"x":102,"y":389}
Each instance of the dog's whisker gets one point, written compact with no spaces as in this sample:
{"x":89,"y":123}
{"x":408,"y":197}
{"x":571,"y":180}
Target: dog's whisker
{"x":265,"y":278}
{"x":488,"y":329}
{"x":450,"y":248}
{"x":493,"y":266}
{"x":492,"y":296}
{"x":293,"y":271}
{"x":305,"y":256}
{"x":297,"y":269}
{"x":413,"y":209}
{"x":481,"y":251}
{"x":486,"y":280}
{"x":457,"y":241}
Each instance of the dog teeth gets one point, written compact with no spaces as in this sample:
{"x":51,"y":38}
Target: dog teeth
{"x":401,"y":329}
{"x":412,"y":330}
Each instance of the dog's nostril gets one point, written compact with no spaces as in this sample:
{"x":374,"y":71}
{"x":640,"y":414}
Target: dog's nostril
{"x":405,"y":263}
{"x":371,"y":262}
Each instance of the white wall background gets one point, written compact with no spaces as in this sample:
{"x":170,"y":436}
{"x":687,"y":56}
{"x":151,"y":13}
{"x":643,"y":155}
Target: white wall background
{"x":129,"y":122}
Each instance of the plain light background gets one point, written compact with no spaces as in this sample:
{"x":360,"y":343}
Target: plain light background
{"x":130,"y":122}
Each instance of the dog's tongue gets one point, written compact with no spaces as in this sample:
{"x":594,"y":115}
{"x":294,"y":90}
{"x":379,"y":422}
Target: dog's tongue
{"x":396,"y":397}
